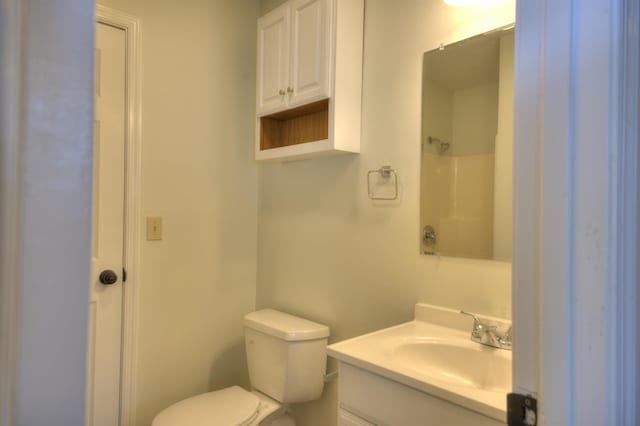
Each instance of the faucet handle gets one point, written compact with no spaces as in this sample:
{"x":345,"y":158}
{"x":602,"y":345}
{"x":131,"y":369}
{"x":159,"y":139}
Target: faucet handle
{"x":478,"y":325}
{"x":488,"y":334}
{"x":476,"y":321}
{"x":507,"y":337}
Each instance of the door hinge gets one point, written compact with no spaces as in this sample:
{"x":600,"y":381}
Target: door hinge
{"x":124,"y":275}
{"x":522,"y":410}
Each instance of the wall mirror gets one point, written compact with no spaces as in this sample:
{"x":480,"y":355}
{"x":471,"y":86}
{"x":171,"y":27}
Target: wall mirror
{"x":467,"y":146}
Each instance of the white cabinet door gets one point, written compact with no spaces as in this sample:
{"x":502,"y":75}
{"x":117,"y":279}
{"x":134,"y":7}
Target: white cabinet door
{"x":310,"y":31}
{"x":321,"y":43}
{"x":346,"y":418}
{"x":273,"y":60}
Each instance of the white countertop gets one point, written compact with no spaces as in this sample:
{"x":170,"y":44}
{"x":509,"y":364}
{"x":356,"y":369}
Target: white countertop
{"x":374,"y":352}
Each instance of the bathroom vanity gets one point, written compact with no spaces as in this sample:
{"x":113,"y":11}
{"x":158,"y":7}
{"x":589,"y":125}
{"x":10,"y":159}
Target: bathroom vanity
{"x":425,"y":372}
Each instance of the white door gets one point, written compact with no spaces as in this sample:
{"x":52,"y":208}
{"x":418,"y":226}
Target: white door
{"x":273,"y":60}
{"x":309,"y":51}
{"x":105,"y":308}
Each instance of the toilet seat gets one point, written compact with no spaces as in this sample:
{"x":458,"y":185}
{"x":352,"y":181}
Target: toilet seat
{"x":231,"y":406}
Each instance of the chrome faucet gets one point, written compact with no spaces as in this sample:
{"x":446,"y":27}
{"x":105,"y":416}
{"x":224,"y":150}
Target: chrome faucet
{"x":488,"y":334}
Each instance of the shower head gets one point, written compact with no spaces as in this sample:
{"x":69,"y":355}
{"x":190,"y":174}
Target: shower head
{"x":441,"y":146}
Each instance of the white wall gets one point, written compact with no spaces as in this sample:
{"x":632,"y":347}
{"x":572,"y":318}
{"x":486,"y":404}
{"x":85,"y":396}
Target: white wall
{"x":328,"y":253}
{"x":198,"y":173}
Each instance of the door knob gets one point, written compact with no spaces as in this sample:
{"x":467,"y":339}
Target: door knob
{"x":108,"y":277}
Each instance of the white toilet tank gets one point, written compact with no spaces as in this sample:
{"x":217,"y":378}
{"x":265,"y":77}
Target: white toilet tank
{"x":286,"y":355}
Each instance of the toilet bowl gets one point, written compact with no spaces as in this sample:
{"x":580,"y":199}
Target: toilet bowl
{"x":286,"y":356}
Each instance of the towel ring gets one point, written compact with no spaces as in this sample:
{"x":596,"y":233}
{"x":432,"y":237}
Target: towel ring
{"x":386,"y":172}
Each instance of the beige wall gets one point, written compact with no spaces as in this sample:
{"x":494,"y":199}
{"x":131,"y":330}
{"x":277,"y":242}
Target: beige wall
{"x":437,"y":110}
{"x":435,"y":190}
{"x":474,"y":120}
{"x":267,"y":5}
{"x":325,"y":251}
{"x":328,"y":253}
{"x":465,"y":227}
{"x":198,"y":173}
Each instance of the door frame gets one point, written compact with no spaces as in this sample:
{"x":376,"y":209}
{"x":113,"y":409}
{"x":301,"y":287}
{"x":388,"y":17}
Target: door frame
{"x":565,"y":320}
{"x":534,"y":277}
{"x":133,"y":162}
{"x":41,"y":364}
{"x":11,"y":104}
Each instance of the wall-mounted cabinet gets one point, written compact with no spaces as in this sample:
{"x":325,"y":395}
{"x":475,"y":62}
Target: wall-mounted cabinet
{"x":309,"y":79}
{"x":293,"y":55}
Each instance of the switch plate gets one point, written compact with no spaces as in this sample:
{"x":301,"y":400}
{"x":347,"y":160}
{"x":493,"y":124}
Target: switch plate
{"x":154,"y":228}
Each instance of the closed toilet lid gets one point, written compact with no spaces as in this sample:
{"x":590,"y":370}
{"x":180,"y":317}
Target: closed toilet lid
{"x":231,"y":406}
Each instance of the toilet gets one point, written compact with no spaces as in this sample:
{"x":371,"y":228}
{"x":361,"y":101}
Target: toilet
{"x":286,"y":356}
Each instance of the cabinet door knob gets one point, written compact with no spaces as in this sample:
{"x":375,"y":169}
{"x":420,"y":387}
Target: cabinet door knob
{"x":290,"y":89}
{"x":281,"y":92}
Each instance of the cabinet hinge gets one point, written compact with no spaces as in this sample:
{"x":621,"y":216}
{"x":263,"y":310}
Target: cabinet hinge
{"x":124,"y":275}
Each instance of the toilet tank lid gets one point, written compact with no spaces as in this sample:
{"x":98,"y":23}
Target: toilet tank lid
{"x":285,"y":326}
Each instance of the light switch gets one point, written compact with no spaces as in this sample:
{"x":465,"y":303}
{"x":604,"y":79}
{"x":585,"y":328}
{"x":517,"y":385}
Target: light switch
{"x":154,"y":228}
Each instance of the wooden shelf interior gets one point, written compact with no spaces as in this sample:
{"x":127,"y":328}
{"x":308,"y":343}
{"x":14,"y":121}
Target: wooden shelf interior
{"x":307,"y":123}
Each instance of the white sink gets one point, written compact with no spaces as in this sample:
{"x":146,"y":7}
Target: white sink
{"x":474,"y":365}
{"x":434,"y":354}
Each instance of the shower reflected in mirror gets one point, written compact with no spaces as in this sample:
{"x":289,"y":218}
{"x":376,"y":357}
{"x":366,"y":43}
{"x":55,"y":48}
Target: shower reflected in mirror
{"x":467,"y":146}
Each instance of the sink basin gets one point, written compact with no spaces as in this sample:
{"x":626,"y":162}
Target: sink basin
{"x":465,"y":365}
{"x":435,"y":355}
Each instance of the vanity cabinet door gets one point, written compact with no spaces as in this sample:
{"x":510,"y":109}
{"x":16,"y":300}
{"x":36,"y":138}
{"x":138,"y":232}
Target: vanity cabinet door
{"x":309,"y":80}
{"x":273,"y":60}
{"x":346,"y":418}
